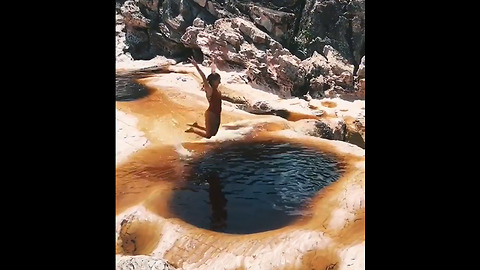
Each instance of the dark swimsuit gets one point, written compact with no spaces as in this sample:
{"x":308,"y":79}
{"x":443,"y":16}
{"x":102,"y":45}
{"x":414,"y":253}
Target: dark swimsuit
{"x":215,"y":102}
{"x":215,"y":110}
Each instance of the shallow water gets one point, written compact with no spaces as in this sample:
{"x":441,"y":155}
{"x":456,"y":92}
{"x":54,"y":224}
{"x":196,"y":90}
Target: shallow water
{"x":251,"y":187}
{"x":127,"y":87}
{"x":356,"y":139}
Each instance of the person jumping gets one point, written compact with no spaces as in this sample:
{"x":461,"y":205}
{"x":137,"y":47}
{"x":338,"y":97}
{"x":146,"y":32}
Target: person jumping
{"x":214,"y":97}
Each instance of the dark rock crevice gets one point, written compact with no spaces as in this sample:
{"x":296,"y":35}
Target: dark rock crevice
{"x":349,"y":37}
{"x":350,"y":45}
{"x":292,"y":44}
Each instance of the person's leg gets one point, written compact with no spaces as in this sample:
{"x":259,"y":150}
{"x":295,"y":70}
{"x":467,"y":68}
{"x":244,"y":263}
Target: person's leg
{"x":209,"y":126}
{"x":197,"y":131}
{"x":195,"y":125}
{"x":212,"y":123}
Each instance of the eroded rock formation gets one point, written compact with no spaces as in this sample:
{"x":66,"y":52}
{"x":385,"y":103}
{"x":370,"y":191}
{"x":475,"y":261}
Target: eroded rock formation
{"x":333,"y":238}
{"x":277,"y":42}
{"x":238,"y":41}
{"x":147,"y":237}
{"x":338,"y":23}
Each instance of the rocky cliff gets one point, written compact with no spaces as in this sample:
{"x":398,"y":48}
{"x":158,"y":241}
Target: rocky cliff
{"x":311,"y":48}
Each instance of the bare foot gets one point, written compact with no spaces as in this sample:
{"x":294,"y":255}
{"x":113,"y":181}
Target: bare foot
{"x":189,"y":130}
{"x":194,"y":124}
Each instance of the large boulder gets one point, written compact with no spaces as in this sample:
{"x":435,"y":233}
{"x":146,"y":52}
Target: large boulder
{"x":155,"y":27}
{"x":132,"y":15}
{"x":175,"y":16}
{"x":337,"y":63}
{"x":218,"y":41}
{"x":162,"y":45}
{"x":138,"y":42}
{"x":238,"y":41}
{"x":254,"y":35}
{"x":278,"y":24}
{"x":150,"y":8}
{"x":136,"y":30}
{"x":327,"y":71}
{"x":171,"y":18}
{"x":338,"y":23}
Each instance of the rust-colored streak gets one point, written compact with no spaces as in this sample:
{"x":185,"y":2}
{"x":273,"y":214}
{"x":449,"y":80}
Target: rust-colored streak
{"x":329,"y":104}
{"x":139,"y":238}
{"x":146,"y":172}
{"x":294,"y":116}
{"x":353,"y":232}
{"x":350,"y":122}
{"x":161,"y":119}
{"x":165,"y":115}
{"x":149,"y":176}
{"x":198,"y":247}
{"x":325,"y":258}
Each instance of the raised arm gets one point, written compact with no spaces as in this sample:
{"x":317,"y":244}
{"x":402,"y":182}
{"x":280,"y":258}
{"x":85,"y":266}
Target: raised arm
{"x":205,"y":82}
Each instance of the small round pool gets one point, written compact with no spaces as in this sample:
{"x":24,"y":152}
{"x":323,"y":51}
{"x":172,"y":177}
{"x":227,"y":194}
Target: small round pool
{"x":249,"y":187}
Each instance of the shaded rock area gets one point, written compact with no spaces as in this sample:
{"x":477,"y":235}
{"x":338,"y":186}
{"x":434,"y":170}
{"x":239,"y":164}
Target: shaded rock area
{"x":338,"y":23}
{"x":278,"y":43}
{"x":332,"y":129}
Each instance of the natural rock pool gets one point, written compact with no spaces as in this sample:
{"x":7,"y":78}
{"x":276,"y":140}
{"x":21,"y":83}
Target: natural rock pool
{"x":249,"y":187}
